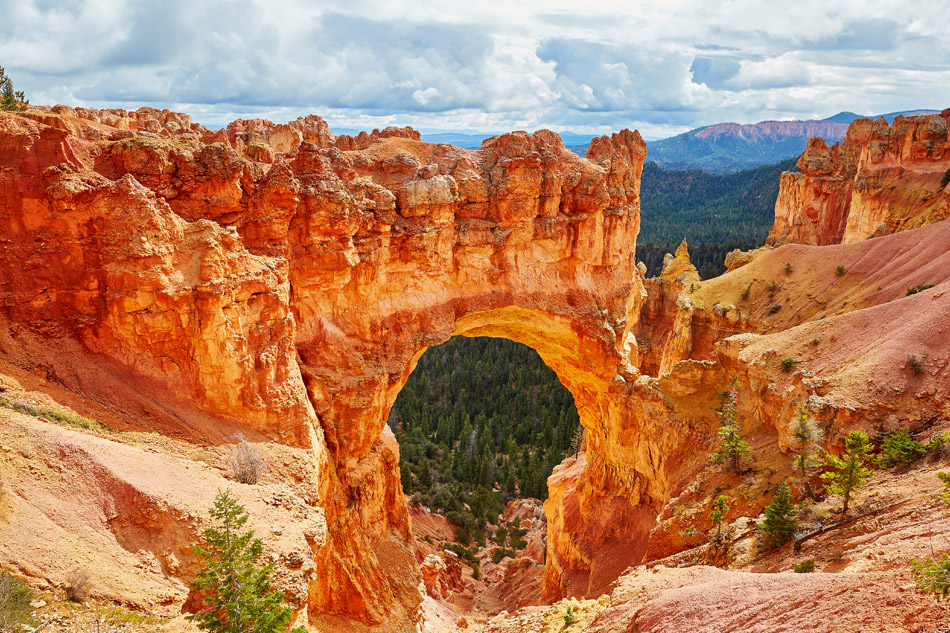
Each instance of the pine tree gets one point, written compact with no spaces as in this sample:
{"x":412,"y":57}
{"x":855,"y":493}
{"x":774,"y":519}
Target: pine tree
{"x":806,"y":442}
{"x":240,"y":599}
{"x":10,"y":100}
{"x":779,"y":521}
{"x":732,"y":447}
{"x":720,"y":509}
{"x":425,"y":476}
{"x":849,"y":472}
{"x":577,"y":440}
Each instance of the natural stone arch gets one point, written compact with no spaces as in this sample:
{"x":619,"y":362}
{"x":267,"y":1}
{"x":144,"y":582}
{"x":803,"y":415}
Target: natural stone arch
{"x":287,"y":286}
{"x":520,"y":240}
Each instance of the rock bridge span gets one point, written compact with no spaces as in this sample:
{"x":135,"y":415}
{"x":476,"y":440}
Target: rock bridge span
{"x":279,"y":279}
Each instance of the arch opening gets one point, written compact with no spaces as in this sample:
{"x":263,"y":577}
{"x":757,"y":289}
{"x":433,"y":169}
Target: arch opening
{"x":481,"y":421}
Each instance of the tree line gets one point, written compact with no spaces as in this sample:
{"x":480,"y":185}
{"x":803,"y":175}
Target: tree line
{"x":481,"y":421}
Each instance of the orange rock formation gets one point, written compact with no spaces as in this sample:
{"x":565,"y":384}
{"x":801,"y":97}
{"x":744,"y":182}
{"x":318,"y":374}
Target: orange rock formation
{"x":277,"y":279}
{"x":282,"y":282}
{"x":880,"y":179}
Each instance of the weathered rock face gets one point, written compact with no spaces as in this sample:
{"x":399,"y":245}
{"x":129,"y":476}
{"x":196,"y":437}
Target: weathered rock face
{"x":880,"y":179}
{"x":442,"y":574}
{"x":276,"y":279}
{"x":280,"y":281}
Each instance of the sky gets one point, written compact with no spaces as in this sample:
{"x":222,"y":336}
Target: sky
{"x":591,"y":66}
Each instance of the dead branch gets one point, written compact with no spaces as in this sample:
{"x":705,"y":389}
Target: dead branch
{"x":834,"y":526}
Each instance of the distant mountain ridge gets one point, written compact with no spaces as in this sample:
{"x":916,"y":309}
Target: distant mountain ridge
{"x":725,"y":148}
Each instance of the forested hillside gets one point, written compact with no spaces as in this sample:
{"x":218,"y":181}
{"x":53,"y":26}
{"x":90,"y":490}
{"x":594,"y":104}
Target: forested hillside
{"x":481,"y":421}
{"x":716,"y":213}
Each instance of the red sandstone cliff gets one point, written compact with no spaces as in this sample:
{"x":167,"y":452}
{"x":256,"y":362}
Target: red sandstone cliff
{"x":279,"y":280}
{"x":880,"y":179}
{"x":282,"y":282}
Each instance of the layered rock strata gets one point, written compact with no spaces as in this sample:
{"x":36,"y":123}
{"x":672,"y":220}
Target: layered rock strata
{"x":281,"y":281}
{"x":880,"y":179}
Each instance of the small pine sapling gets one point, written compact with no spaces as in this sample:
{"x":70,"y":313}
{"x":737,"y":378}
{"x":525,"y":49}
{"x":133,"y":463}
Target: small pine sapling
{"x":840,"y":270}
{"x":806,"y":442}
{"x":238,"y":592}
{"x":779,"y":522}
{"x":747,"y":291}
{"x":720,"y":509}
{"x":932,"y":574}
{"x":732,"y":447}
{"x":788,"y":268}
{"x":848,"y":471}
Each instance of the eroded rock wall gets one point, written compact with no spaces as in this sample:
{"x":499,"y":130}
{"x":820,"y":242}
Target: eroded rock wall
{"x":281,"y":281}
{"x":880,"y":179}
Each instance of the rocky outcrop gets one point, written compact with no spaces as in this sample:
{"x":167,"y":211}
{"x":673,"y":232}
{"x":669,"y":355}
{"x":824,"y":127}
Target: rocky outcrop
{"x":442,"y":574}
{"x":282,"y":281}
{"x":880,"y":179}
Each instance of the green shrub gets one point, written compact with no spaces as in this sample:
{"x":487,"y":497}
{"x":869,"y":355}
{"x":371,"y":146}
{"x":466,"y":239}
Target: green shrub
{"x":569,"y":617}
{"x":932,"y":575}
{"x":840,"y":270}
{"x":815,"y":341}
{"x":944,"y":497}
{"x":501,"y":536}
{"x":15,"y":598}
{"x":788,"y":364}
{"x":500,"y":553}
{"x":775,"y":308}
{"x":848,"y":472}
{"x":938,"y":443}
{"x":945,"y":180}
{"x":916,"y":289}
{"x":463,"y":535}
{"x":237,"y":593}
{"x":779,"y":522}
{"x":747,"y":291}
{"x":788,"y":268}
{"x":900,"y":448}
{"x":805,"y":567}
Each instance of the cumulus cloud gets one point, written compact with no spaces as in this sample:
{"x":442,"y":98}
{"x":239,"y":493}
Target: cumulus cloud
{"x":661,"y":65}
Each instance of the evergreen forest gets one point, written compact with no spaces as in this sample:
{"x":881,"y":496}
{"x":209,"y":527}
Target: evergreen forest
{"x":716,"y":213}
{"x":481,"y":421}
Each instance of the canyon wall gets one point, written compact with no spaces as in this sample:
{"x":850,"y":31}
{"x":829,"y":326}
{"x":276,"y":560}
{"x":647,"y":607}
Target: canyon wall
{"x":279,"y":281}
{"x":880,"y":179}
